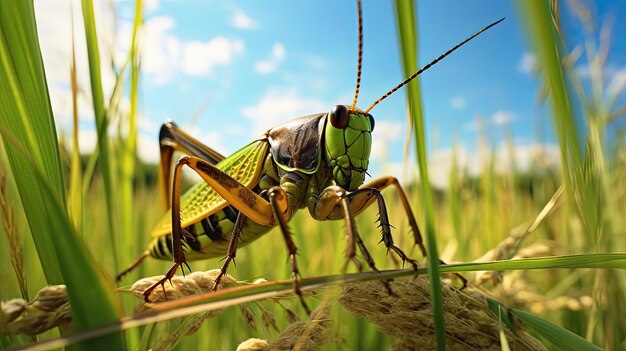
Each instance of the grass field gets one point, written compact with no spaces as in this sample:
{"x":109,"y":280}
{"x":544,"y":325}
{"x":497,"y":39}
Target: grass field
{"x":74,"y":220}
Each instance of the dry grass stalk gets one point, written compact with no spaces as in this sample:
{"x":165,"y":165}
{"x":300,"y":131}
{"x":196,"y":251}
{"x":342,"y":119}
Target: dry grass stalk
{"x":49,"y":309}
{"x":509,"y":247}
{"x":13,"y":239}
{"x":191,"y":284}
{"x":520,"y":293}
{"x":470,"y":324}
{"x":305,"y":336}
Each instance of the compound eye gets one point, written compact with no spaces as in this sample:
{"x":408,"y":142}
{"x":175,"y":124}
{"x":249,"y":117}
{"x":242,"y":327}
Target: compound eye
{"x":371,"y":121}
{"x":339,"y":117}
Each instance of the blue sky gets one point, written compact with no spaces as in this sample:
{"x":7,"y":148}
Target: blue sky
{"x":228,"y":70}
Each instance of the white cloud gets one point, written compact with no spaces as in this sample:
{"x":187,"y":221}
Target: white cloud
{"x":527,"y":63}
{"x":151,"y":6}
{"x":55,"y":30}
{"x":458,"y":103}
{"x":241,"y":20}
{"x":277,"y":57}
{"x":158,"y":60}
{"x":502,"y":117}
{"x":278,"y":106}
{"x":200,"y":58}
{"x":164,"y":54}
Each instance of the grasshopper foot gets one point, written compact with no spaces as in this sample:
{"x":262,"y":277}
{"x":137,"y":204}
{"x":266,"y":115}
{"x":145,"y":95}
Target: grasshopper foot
{"x":168,"y":277}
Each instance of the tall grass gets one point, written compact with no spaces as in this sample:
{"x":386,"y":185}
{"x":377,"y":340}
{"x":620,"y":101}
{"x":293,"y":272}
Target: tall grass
{"x":29,"y":136}
{"x":585,"y":172}
{"x":405,"y":15}
{"x":518,"y":215}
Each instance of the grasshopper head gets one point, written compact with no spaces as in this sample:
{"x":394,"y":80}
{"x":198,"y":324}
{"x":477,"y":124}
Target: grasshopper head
{"x":348,"y":142}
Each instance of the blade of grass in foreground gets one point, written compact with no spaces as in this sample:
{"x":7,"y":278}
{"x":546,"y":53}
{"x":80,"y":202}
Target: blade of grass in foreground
{"x":28,"y":120}
{"x":405,"y":17}
{"x":29,"y":135}
{"x":102,"y":122}
{"x":558,"y":336}
{"x":585,"y":173}
{"x":247,"y":293}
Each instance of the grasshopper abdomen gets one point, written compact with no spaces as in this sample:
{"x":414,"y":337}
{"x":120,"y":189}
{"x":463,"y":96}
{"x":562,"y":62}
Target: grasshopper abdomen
{"x":207,"y":237}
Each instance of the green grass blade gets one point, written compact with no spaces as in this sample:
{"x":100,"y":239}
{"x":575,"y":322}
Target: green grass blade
{"x":29,"y":136}
{"x":586,"y":175}
{"x":405,"y":16}
{"x":544,"y":38}
{"x":102,"y":122}
{"x":26,"y":114}
{"x":129,"y":146}
{"x":559,"y":337}
{"x":75,"y":204}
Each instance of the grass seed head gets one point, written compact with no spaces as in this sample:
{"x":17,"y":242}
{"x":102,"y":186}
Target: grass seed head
{"x":470,"y":324}
{"x":49,"y":309}
{"x":306,"y":336}
{"x":253,"y":344}
{"x":191,"y":284}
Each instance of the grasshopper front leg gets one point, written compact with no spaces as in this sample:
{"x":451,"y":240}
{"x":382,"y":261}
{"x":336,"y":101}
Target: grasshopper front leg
{"x":361,"y":203}
{"x":334,"y":203}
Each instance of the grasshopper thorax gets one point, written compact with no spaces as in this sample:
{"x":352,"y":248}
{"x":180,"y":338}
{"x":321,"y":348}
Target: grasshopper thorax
{"x":348,"y":141}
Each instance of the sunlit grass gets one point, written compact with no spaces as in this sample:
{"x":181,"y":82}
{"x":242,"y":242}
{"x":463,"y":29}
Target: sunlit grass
{"x":540,"y":212}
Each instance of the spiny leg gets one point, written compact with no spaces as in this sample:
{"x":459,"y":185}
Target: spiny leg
{"x":352,"y":237}
{"x":277,"y":196}
{"x":333,"y":203}
{"x":235,"y":193}
{"x":232,"y":248}
{"x":172,"y":138}
{"x":382,"y":183}
{"x":385,"y":227}
{"x":177,"y":235}
{"x":331,"y":199}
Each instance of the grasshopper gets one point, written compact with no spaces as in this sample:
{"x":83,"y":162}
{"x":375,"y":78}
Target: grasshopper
{"x":317,"y":161}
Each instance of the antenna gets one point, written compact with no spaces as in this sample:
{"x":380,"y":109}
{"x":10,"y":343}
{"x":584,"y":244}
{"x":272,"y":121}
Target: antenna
{"x":360,"y":59}
{"x":409,"y":78}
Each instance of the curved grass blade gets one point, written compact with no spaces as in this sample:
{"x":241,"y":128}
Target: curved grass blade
{"x":29,"y":135}
{"x":405,"y":16}
{"x":26,"y":114}
{"x":560,"y":337}
{"x":243,"y":294}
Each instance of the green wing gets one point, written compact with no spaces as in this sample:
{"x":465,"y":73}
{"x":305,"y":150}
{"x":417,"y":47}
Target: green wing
{"x":201,"y":200}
